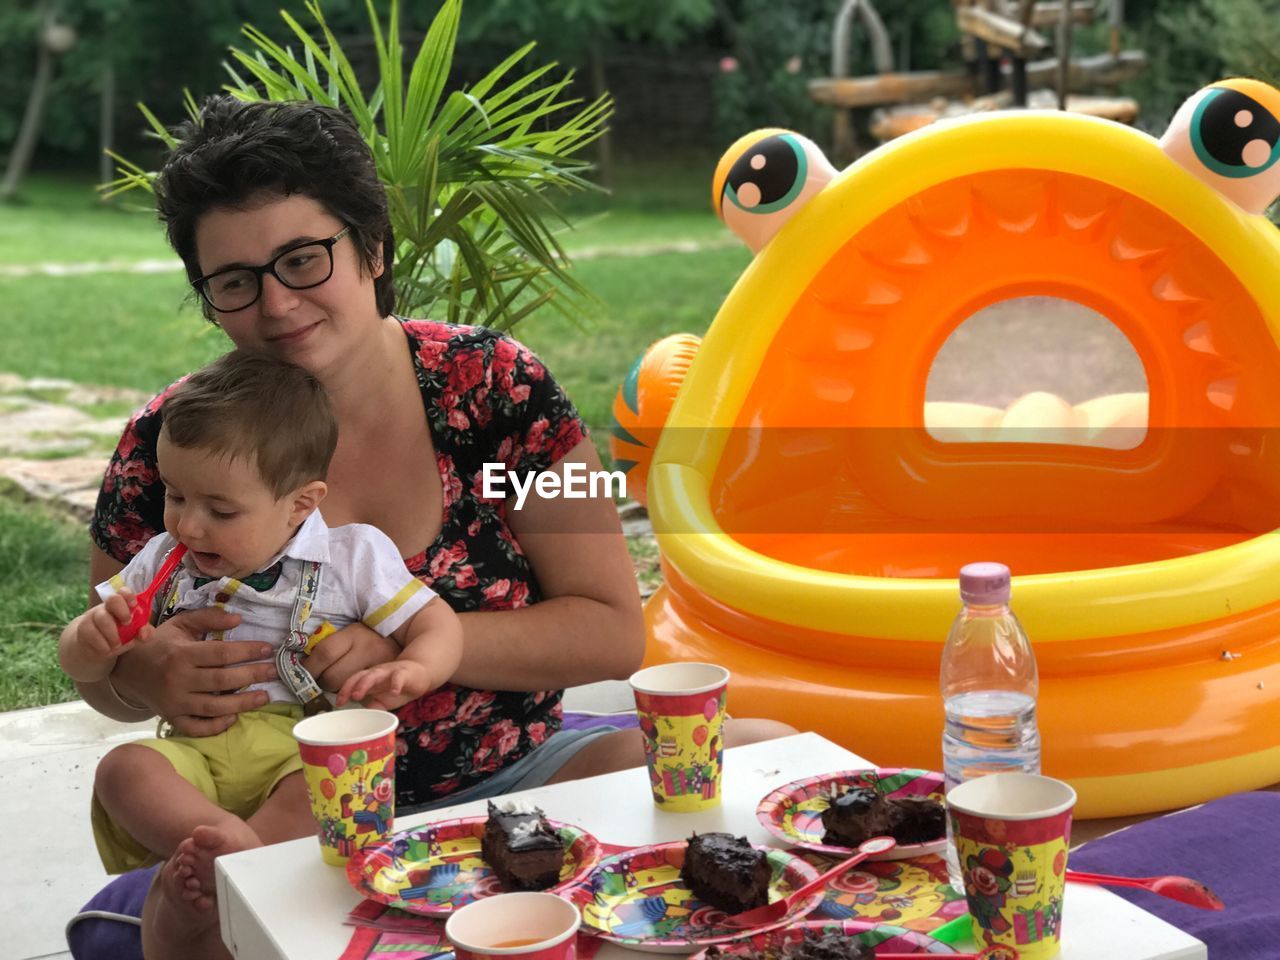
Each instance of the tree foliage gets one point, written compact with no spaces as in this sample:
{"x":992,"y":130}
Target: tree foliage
{"x":1195,"y":42}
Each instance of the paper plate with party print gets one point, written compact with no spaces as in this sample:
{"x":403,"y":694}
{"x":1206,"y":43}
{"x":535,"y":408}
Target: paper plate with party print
{"x":888,"y":939}
{"x":637,"y":899}
{"x":794,"y":812}
{"x":903,"y":893}
{"x":437,"y":868}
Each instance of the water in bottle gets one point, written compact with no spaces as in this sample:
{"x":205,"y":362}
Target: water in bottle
{"x":989,"y":687}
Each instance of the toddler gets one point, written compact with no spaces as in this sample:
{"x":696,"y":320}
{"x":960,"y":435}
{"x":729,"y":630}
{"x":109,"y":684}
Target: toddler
{"x":243,"y":453}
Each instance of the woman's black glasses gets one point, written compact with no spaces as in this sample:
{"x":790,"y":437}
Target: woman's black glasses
{"x":306,"y":265}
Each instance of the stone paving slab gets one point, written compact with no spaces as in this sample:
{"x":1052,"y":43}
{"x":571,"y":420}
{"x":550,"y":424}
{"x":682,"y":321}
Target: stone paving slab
{"x":56,"y":439}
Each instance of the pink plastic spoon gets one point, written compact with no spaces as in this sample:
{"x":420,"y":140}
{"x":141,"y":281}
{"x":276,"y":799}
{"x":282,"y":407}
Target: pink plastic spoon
{"x":773,"y":912}
{"x":140,"y":613}
{"x":1183,"y":889}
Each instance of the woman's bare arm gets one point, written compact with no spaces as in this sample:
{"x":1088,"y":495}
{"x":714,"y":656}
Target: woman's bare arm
{"x":588,"y":626}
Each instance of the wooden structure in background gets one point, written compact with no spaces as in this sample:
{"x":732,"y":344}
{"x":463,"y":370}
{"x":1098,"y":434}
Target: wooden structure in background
{"x":1000,"y":38}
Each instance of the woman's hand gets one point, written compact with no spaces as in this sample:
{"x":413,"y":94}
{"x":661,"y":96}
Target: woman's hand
{"x":191,"y":682}
{"x":341,"y":655}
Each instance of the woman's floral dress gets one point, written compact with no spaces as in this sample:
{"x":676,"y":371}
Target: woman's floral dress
{"x":487,"y":399}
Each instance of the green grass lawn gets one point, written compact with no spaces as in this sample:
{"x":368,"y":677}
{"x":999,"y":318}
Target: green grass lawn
{"x":140,"y":331}
{"x":44,"y":573}
{"x":60,"y":219}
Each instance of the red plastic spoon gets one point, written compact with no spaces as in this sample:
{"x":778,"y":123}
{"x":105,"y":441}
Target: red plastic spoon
{"x":773,"y":912}
{"x":1183,"y":889}
{"x":140,"y":613}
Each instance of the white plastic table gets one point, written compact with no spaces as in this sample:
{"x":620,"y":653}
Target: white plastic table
{"x":283,"y":903}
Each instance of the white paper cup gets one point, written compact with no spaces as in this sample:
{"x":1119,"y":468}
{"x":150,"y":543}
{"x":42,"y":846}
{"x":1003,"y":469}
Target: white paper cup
{"x":515,"y":926}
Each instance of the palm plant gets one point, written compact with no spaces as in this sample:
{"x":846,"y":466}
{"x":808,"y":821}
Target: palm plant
{"x":470,"y":175}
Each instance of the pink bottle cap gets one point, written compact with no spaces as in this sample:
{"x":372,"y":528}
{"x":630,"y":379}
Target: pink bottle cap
{"x":984,"y":583}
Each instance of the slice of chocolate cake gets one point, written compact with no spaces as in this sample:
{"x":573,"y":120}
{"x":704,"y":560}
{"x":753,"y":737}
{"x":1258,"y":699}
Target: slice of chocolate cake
{"x":856,"y":815}
{"x":726,"y":872}
{"x":916,"y":819}
{"x":861,"y":813}
{"x":813,"y":946}
{"x":523,"y":850}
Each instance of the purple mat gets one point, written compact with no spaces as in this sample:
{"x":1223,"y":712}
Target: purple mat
{"x":584,"y":721}
{"x":1232,"y":845}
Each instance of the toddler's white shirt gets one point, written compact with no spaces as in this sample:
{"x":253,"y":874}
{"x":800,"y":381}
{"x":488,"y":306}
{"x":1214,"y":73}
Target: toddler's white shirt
{"x":362,"y":578}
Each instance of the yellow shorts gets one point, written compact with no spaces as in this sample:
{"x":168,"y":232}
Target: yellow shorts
{"x":236,"y":769}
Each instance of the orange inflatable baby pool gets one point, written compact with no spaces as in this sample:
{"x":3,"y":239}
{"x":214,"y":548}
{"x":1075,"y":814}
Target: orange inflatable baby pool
{"x":812,"y":510}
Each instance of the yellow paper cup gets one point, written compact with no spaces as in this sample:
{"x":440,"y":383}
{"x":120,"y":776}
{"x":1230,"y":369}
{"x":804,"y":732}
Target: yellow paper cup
{"x":1011,"y":832}
{"x":681,"y":707}
{"x":349,"y":760}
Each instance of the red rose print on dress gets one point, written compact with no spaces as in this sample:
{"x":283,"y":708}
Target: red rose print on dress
{"x":434,"y":706}
{"x":445,"y":560}
{"x":533,"y":440}
{"x":466,"y":371}
{"x":475,"y":708}
{"x":434,"y":740}
{"x":446,"y":787}
{"x":502,"y":737}
{"x":449,"y":480}
{"x":498,"y":590}
{"x":430,"y":352}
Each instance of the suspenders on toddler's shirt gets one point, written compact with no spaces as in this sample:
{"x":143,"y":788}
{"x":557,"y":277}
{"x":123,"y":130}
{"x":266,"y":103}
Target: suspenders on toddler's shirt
{"x":291,"y":671}
{"x":292,"y":674}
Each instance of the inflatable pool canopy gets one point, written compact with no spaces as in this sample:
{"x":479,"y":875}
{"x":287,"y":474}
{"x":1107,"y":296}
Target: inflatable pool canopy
{"x":813,"y":510}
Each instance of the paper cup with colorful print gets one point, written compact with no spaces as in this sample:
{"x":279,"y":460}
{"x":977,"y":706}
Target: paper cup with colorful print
{"x":349,"y":760}
{"x":515,"y":926}
{"x":1011,"y":832}
{"x":681,"y":707}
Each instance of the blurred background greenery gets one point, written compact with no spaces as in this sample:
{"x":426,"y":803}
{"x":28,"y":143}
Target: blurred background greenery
{"x":685,"y":78}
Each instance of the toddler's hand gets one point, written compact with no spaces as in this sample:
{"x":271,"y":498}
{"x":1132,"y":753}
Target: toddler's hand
{"x":98,"y":635}
{"x":89,"y":647}
{"x":388,"y":685}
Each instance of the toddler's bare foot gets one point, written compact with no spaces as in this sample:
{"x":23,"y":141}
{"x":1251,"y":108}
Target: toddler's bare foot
{"x":196,"y":855}
{"x":174,"y":915}
{"x":179,"y":921}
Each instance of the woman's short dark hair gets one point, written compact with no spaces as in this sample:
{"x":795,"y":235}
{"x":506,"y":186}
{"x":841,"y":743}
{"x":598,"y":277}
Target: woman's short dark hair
{"x":237,"y":150}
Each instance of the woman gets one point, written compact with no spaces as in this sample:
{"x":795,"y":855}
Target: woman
{"x":253,"y":197}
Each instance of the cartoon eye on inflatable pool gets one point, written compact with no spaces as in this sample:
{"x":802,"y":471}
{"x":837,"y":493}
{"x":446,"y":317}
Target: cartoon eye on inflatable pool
{"x":1228,"y":135}
{"x":763,"y":179}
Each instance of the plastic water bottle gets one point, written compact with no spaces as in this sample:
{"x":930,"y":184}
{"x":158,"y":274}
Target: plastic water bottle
{"x":989,"y":687}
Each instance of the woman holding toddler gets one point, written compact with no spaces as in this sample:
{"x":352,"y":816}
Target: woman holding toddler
{"x":250,"y":196}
